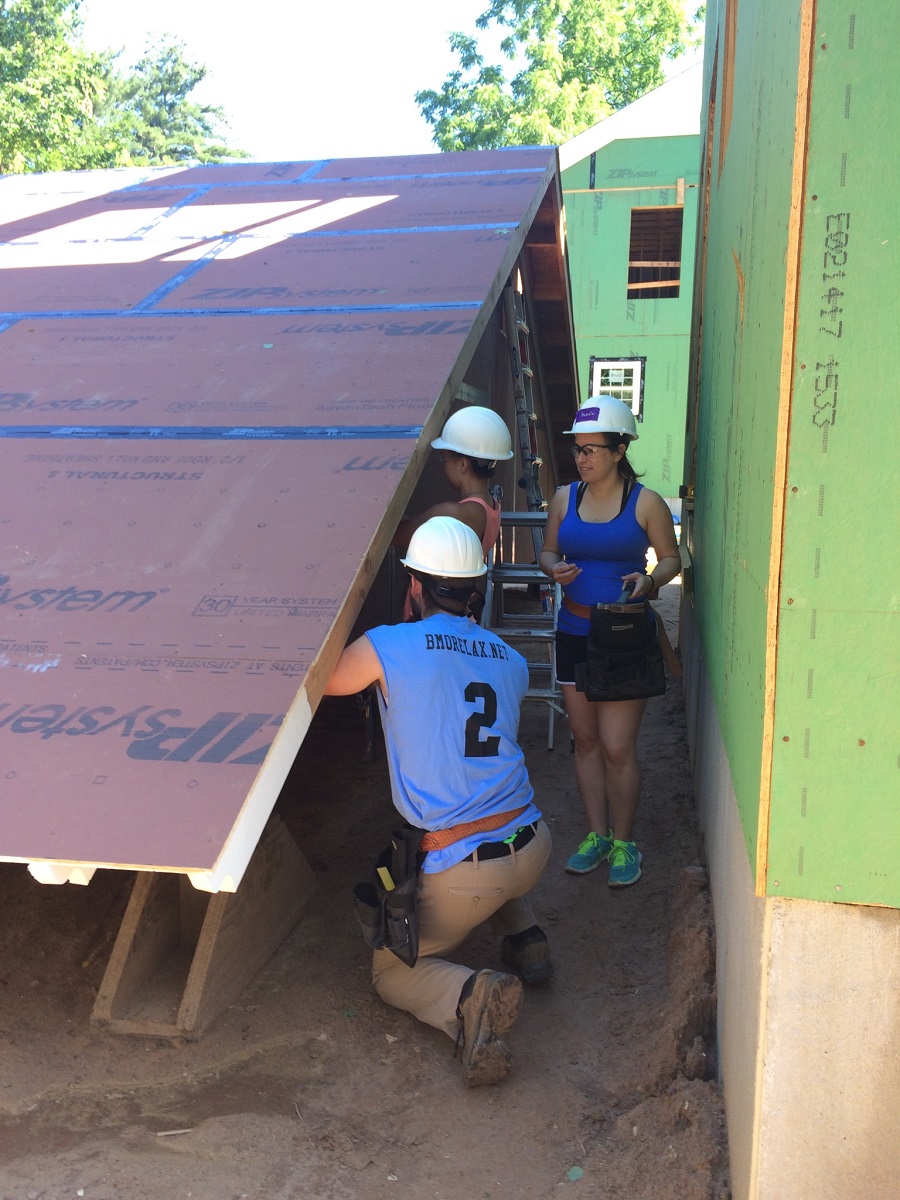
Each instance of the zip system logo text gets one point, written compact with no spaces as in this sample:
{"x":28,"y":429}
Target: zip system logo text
{"x":239,"y":739}
{"x":71,"y":599}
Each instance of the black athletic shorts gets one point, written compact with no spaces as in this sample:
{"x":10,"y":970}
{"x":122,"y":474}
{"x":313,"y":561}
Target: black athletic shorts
{"x":571,"y":649}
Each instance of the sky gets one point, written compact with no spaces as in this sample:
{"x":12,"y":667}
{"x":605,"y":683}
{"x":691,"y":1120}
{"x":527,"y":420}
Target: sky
{"x":303,"y":79}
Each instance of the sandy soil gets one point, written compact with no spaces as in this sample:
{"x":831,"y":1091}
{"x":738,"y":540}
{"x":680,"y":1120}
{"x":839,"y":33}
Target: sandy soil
{"x":309,"y":1088}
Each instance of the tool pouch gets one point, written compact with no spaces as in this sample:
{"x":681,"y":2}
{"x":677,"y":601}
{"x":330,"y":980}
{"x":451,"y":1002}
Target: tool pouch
{"x":624,"y":660}
{"x":387,"y":916}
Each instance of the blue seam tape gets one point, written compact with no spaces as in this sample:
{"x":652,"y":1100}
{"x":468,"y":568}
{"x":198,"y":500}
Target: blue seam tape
{"x":295,"y":433}
{"x":307,"y":310}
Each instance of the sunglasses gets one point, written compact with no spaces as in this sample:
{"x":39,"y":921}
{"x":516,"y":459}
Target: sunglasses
{"x":589,"y":449}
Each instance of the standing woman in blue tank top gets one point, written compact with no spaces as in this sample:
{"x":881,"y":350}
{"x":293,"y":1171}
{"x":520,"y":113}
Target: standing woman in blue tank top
{"x":597,"y":537}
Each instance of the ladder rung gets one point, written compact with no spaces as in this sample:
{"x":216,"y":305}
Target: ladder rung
{"x":526,"y":622}
{"x":519,"y":570}
{"x":508,"y":573}
{"x":523,"y":518}
{"x":525,"y":618}
{"x":520,"y":620}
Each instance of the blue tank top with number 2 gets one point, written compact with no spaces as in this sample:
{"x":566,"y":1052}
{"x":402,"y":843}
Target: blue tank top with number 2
{"x":451,"y":723}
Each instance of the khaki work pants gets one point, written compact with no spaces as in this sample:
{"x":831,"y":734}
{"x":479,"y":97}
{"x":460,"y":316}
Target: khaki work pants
{"x":451,"y":904}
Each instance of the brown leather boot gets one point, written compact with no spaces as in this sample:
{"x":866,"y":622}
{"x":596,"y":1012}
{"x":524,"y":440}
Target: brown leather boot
{"x":489,"y":1004}
{"x":529,"y":954}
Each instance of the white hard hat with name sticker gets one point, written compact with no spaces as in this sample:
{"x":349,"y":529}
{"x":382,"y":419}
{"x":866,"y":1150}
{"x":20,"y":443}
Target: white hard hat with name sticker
{"x":605,"y":414}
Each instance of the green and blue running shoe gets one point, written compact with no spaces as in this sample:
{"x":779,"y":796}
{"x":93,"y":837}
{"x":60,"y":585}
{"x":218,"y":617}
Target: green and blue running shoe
{"x":590,"y":854}
{"x":624,"y":864}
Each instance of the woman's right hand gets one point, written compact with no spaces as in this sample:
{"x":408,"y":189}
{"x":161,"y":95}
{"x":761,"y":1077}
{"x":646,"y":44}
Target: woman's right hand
{"x":564,"y":573}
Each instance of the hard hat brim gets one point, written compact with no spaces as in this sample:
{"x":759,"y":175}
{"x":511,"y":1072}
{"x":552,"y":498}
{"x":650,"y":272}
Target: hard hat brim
{"x":439,"y":443}
{"x":411,"y":565}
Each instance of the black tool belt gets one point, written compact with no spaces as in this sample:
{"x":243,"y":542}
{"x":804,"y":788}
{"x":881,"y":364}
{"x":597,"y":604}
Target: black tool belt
{"x":386,"y":904}
{"x":623,"y":660}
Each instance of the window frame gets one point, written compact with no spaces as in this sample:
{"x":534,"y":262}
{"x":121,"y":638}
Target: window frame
{"x":657,"y":278}
{"x":637,"y":362}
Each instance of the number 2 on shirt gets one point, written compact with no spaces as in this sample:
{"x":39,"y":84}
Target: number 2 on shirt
{"x":475,"y":747}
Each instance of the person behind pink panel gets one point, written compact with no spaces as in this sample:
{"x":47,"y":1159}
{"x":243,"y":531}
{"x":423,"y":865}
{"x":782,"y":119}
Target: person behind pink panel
{"x":471,"y":444}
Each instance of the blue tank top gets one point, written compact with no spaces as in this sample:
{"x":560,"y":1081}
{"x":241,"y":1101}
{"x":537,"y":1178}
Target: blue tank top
{"x":605,"y":551}
{"x":451,"y":724}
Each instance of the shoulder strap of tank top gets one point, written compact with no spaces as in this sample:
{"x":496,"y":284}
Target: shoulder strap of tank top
{"x":579,"y":495}
{"x":627,"y":485}
{"x":477,"y":500}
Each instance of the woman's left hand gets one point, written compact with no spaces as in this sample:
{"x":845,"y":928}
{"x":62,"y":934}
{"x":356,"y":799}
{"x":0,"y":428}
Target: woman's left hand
{"x":643,"y":585}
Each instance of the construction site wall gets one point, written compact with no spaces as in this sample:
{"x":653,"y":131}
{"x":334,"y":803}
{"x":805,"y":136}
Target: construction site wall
{"x":788,"y":626}
{"x":601,"y":192}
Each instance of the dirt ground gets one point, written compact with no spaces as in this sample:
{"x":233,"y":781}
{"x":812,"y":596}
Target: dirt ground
{"x":309,"y":1088}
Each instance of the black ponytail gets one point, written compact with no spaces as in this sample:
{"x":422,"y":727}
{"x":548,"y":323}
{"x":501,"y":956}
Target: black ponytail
{"x":626,"y":470}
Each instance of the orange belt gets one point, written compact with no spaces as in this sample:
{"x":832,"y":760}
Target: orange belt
{"x":579,"y":610}
{"x":438,"y":839}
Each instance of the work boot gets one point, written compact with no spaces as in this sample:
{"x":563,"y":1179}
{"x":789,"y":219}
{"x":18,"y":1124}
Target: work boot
{"x":529,"y":954}
{"x":489,"y":1004}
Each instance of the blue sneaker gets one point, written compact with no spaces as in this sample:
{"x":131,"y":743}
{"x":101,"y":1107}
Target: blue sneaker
{"x":590,"y":854}
{"x":624,"y":864}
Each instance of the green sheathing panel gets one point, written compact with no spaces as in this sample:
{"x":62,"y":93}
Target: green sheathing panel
{"x":634,"y":173}
{"x":742,"y":335}
{"x":834,"y":830}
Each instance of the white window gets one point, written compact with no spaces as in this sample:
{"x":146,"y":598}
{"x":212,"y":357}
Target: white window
{"x":619,"y":377}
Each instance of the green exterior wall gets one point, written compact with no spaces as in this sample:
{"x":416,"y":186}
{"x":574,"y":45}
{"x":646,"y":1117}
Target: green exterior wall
{"x":835,"y":830}
{"x":735,"y":433}
{"x":793,"y":583}
{"x":634,"y":173}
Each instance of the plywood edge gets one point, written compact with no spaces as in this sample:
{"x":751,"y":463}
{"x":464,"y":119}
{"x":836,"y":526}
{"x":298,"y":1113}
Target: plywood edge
{"x":241,"y":842}
{"x":782,"y":434}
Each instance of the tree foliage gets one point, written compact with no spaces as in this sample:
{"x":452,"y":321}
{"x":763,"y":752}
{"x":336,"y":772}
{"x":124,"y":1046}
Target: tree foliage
{"x":47,"y":86}
{"x":575,"y":61}
{"x":151,"y":116}
{"x":64,"y":107}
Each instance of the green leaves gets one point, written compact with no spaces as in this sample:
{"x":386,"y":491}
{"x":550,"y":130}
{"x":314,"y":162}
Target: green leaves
{"x":573,"y":62}
{"x":63,"y":107}
{"x":152,"y":118}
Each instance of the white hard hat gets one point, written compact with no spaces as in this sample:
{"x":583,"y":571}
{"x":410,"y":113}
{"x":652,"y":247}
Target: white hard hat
{"x":605,"y":414}
{"x":445,"y":548}
{"x":476,"y":432}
